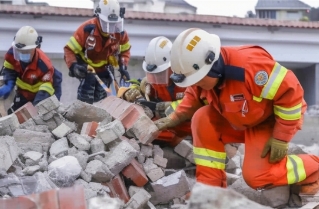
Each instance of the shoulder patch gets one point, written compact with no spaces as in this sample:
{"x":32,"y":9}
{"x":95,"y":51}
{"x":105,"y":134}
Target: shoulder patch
{"x":88,"y":28}
{"x":42,"y":66}
{"x":261,"y":78}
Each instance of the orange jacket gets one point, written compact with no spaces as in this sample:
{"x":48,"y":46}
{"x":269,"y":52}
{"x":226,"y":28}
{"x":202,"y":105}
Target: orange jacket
{"x":106,"y":50}
{"x":167,"y":93}
{"x":38,"y":75}
{"x":255,"y":88}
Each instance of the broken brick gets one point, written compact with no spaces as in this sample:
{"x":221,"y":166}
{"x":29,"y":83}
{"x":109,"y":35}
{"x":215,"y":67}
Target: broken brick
{"x":89,"y":128}
{"x":75,"y":193}
{"x":118,"y":189}
{"x":135,"y":172}
{"x":26,"y":112}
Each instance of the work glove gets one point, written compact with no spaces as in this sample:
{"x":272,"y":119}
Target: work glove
{"x":6,"y":89}
{"x":161,"y":108}
{"x":278,"y":150}
{"x":132,"y":95}
{"x":78,"y":71}
{"x":145,"y":88}
{"x":124,"y":73}
{"x":166,"y":122}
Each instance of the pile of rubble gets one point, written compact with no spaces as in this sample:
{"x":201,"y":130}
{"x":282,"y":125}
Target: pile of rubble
{"x":313,"y":110}
{"x":107,"y":149}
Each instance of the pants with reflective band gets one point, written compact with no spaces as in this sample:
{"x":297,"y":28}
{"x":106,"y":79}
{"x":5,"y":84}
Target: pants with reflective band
{"x":90,"y":90}
{"x":211,"y":131}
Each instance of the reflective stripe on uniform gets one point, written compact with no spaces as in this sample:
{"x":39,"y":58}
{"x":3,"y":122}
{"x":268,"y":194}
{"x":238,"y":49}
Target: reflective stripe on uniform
{"x":257,"y":99}
{"x":8,"y":65}
{"x":74,"y":45}
{"x":209,"y":158}
{"x":276,"y":77}
{"x":172,"y":107}
{"x":125,"y":47}
{"x":291,"y":113}
{"x":295,"y":169}
{"x":45,"y":86}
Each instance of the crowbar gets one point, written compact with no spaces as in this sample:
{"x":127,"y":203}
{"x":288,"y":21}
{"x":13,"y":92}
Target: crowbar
{"x":91,"y":70}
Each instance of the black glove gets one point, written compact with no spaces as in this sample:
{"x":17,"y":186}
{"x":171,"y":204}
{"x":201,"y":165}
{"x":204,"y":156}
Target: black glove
{"x":78,"y":71}
{"x":123,"y":71}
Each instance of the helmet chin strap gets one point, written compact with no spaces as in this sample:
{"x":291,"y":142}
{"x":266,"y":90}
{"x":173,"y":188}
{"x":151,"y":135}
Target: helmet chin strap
{"x":218,"y":69}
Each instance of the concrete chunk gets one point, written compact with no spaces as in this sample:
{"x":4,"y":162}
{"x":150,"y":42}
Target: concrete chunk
{"x":47,"y":105}
{"x":81,"y":112}
{"x":9,"y":152}
{"x":34,"y":156}
{"x":185,"y":149}
{"x":97,"y":145}
{"x":28,"y":140}
{"x":99,"y":171}
{"x":147,"y":150}
{"x":160,"y":161}
{"x":120,"y":157}
{"x":59,"y":148}
{"x":61,"y":131}
{"x":8,"y":124}
{"x":111,"y":131}
{"x":169,"y":187}
{"x":79,"y":141}
{"x":206,"y":197}
{"x":138,"y":200}
{"x":155,"y":174}
{"x":145,"y":130}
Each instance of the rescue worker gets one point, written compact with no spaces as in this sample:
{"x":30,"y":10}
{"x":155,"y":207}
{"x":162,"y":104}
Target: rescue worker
{"x":159,"y":88}
{"x":28,"y":67}
{"x":102,"y":43}
{"x":252,"y":99}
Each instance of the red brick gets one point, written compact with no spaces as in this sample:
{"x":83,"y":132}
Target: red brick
{"x":89,"y":128}
{"x":118,"y":189}
{"x":72,"y":198}
{"x":110,"y":103}
{"x":25,"y":112}
{"x":48,"y":200}
{"x":129,"y":116}
{"x":17,"y":202}
{"x":135,"y":172}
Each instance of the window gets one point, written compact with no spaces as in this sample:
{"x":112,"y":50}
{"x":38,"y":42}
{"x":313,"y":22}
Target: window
{"x":267,"y":14}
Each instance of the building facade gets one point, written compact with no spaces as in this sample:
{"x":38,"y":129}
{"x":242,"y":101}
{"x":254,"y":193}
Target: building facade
{"x":294,"y":44}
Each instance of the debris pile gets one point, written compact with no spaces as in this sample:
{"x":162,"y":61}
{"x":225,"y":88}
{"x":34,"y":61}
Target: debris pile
{"x":107,"y":149}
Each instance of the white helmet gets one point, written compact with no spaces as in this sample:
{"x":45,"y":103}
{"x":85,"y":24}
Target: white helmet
{"x":157,"y":55}
{"x":194,"y":52}
{"x":110,"y":15}
{"x":25,"y":41}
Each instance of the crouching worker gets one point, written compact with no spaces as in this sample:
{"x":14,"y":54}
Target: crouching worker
{"x":157,"y":91}
{"x":29,"y":68}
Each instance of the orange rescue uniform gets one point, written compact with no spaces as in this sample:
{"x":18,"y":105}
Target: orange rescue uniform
{"x":257,"y":99}
{"x":37,"y":76}
{"x":105,"y":50}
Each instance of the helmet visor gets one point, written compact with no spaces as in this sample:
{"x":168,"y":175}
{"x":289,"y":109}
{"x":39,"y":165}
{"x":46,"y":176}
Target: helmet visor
{"x":111,"y":27}
{"x":158,"y":78}
{"x":23,"y":55}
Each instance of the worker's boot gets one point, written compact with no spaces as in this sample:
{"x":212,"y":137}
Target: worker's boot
{"x":310,"y":189}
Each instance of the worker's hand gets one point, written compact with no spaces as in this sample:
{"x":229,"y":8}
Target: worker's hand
{"x":124,"y":73}
{"x":6,"y":89}
{"x":78,"y":71}
{"x":166,"y":122}
{"x":132,"y":95}
{"x":160,"y":109}
{"x":278,"y":150}
{"x":145,"y":87}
